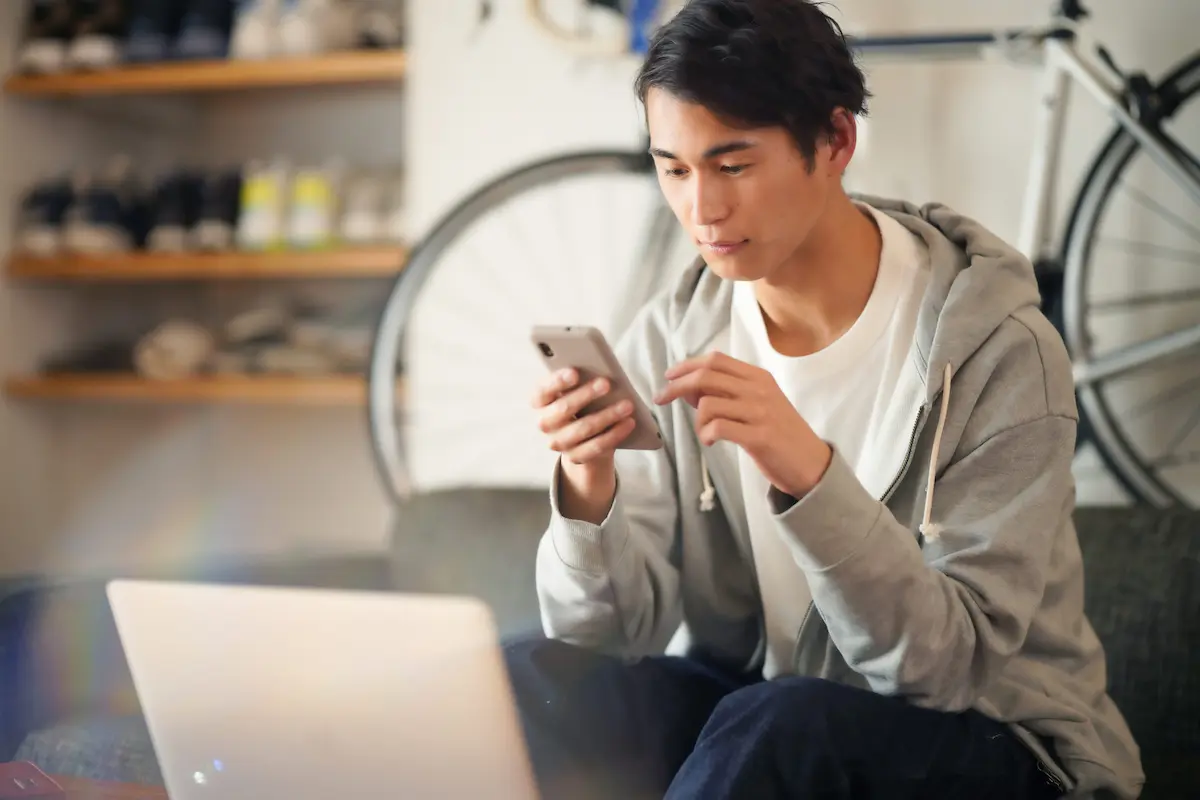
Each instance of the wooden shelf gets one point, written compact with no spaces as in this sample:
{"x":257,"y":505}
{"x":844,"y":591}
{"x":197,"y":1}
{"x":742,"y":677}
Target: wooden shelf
{"x":336,"y":390}
{"x":367,"y":262}
{"x":215,"y":76}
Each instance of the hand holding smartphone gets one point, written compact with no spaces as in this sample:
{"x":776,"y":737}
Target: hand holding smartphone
{"x":588,"y":415}
{"x":589,"y":410}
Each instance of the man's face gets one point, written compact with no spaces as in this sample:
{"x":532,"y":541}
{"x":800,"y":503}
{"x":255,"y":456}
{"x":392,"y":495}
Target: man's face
{"x":746,"y":197}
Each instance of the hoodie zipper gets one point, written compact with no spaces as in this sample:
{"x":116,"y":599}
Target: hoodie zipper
{"x":918,"y":424}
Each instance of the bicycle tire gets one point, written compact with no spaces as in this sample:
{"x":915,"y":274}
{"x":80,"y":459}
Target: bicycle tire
{"x":1096,"y":190}
{"x":386,"y":441}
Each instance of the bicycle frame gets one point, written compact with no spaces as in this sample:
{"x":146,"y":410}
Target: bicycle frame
{"x":1064,"y":65}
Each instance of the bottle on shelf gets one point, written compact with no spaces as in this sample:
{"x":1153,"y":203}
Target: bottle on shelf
{"x":265,"y":190}
{"x":314,"y":207}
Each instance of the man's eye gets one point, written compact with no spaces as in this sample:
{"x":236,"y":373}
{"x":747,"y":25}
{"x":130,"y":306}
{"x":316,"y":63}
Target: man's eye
{"x":734,"y":169}
{"x":674,"y":172}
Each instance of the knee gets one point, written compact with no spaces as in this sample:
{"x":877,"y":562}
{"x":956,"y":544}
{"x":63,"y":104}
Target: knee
{"x":792,"y":704}
{"x":525,"y":648}
{"x":523,"y":657}
{"x":540,"y":663}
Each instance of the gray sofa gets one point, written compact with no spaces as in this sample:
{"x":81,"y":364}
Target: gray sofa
{"x":1143,"y":573}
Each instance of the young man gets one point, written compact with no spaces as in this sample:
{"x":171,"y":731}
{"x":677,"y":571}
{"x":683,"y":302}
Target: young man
{"x":858,"y":537}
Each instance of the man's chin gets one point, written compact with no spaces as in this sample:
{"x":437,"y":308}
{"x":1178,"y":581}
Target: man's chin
{"x":733,"y":268}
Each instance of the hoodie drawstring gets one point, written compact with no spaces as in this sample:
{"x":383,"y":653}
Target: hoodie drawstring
{"x":709,"y":495}
{"x":928,"y":529}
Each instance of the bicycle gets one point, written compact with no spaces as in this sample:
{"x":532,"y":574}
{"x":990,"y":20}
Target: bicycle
{"x":1121,"y":368}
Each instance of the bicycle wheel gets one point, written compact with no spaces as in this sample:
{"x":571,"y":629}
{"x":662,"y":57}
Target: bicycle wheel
{"x":1132,"y":304}
{"x":583,"y":239}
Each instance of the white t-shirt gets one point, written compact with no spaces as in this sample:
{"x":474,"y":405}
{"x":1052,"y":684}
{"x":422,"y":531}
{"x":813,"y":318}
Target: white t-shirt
{"x":862,"y":394}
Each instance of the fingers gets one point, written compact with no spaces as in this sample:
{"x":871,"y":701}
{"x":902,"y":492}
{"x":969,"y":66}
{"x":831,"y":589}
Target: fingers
{"x":552,"y":386}
{"x":713,"y":408}
{"x":581,"y":439}
{"x":715,"y":361}
{"x":722,"y":419}
{"x":580,"y":431}
{"x":566,"y":407}
{"x":726,"y":430}
{"x":693,"y":386}
{"x":602,"y":446}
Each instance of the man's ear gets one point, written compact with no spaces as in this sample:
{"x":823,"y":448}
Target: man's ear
{"x":842,"y":140}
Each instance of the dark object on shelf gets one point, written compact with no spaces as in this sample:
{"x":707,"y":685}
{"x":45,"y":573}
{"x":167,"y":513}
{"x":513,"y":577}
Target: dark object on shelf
{"x":174,"y":211}
{"x":205,"y":31}
{"x":114,"y":356}
{"x":220,"y":206}
{"x":48,"y":31}
{"x":381,"y":27}
{"x":100,"y":30}
{"x":109,"y":214}
{"x":43,"y":210}
{"x":153,"y":26}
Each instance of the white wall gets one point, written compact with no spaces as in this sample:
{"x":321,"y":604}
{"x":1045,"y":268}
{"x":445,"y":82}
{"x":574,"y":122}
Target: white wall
{"x":90,"y":487}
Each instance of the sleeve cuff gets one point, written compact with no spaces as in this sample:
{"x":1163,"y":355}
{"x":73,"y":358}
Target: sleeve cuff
{"x":832,"y":522}
{"x":579,"y":544}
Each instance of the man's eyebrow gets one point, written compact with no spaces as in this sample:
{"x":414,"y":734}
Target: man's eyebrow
{"x":712,"y":152}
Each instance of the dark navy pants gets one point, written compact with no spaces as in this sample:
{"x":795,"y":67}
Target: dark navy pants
{"x":670,"y":727}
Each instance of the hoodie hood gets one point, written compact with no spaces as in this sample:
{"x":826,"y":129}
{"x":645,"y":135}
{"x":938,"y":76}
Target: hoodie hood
{"x":976,"y":282}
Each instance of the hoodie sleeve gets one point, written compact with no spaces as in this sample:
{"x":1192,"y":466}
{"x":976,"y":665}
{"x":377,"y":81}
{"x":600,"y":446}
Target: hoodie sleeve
{"x":615,"y":586}
{"x":938,"y":625}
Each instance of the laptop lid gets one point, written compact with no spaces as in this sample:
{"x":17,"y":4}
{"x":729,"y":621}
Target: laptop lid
{"x":256,"y":692}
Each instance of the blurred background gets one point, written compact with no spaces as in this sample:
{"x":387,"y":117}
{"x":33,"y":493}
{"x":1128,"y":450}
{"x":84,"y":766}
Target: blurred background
{"x":172,"y":399}
{"x":221,"y":222}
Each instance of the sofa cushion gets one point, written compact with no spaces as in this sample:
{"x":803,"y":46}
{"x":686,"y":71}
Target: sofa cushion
{"x":474,"y":541}
{"x":1142,"y":570}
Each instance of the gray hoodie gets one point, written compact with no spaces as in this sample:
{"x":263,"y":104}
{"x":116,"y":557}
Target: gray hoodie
{"x":975,"y":603}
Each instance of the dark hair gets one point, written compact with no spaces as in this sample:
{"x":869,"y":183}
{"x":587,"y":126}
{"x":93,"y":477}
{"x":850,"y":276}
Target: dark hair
{"x":758,"y":63}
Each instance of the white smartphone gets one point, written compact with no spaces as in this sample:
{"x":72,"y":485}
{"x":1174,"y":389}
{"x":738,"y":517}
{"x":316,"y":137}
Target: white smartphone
{"x":584,"y":349}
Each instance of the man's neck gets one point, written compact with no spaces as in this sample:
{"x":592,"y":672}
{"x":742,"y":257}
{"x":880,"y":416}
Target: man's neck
{"x":819,"y":293}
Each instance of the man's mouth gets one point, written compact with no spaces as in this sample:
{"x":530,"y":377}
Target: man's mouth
{"x":725,"y":247}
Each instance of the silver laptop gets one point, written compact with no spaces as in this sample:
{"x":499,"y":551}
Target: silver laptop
{"x":304,"y":694}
